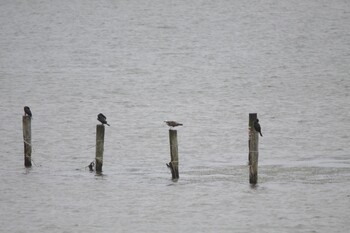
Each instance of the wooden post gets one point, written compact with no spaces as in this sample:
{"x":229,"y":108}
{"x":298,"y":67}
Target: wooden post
{"x":27,"y":139}
{"x":253,"y":150}
{"x":174,"y":163}
{"x":100,"y":135}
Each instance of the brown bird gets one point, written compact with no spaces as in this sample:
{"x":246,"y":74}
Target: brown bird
{"x":173,"y":123}
{"x":27,"y":111}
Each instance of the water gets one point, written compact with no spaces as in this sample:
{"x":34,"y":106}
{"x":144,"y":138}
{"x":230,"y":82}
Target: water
{"x":207,"y":64}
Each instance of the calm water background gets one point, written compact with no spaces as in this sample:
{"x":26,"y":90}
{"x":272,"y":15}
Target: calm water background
{"x":207,"y":64}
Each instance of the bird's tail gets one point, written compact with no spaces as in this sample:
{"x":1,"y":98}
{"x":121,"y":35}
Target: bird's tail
{"x":181,"y":124}
{"x":260,"y":134}
{"x":108,"y":124}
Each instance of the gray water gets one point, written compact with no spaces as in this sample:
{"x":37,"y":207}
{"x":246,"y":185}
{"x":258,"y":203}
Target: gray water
{"x":207,"y":64}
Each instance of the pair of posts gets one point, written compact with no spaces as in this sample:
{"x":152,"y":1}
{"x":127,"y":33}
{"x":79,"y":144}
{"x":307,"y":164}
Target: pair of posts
{"x":27,"y":140}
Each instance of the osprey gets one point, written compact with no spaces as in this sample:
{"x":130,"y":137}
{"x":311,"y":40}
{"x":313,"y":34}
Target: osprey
{"x":257,"y":127}
{"x":173,"y":123}
{"x":27,"y":111}
{"x":102,"y":118}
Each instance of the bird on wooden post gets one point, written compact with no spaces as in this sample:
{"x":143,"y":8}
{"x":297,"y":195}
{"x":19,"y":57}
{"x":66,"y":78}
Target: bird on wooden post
{"x":27,"y":111}
{"x":257,"y":127}
{"x":173,"y":124}
{"x":102,"y":118}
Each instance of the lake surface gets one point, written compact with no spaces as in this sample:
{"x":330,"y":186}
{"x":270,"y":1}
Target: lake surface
{"x":206,"y":64}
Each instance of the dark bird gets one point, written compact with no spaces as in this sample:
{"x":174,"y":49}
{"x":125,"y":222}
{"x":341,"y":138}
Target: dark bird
{"x":27,"y":111}
{"x":102,"y":118}
{"x":173,"y":123}
{"x":257,"y":127}
{"x":91,"y":166}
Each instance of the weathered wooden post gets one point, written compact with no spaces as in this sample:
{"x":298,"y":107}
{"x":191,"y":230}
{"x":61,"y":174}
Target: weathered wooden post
{"x":27,"y":139}
{"x":174,"y":163}
{"x":253,"y":150}
{"x":100,"y":135}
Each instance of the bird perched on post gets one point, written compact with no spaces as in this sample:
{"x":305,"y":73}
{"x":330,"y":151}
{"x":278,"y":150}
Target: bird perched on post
{"x":173,"y":123}
{"x":27,"y":111}
{"x":102,"y":118}
{"x":257,"y":127}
